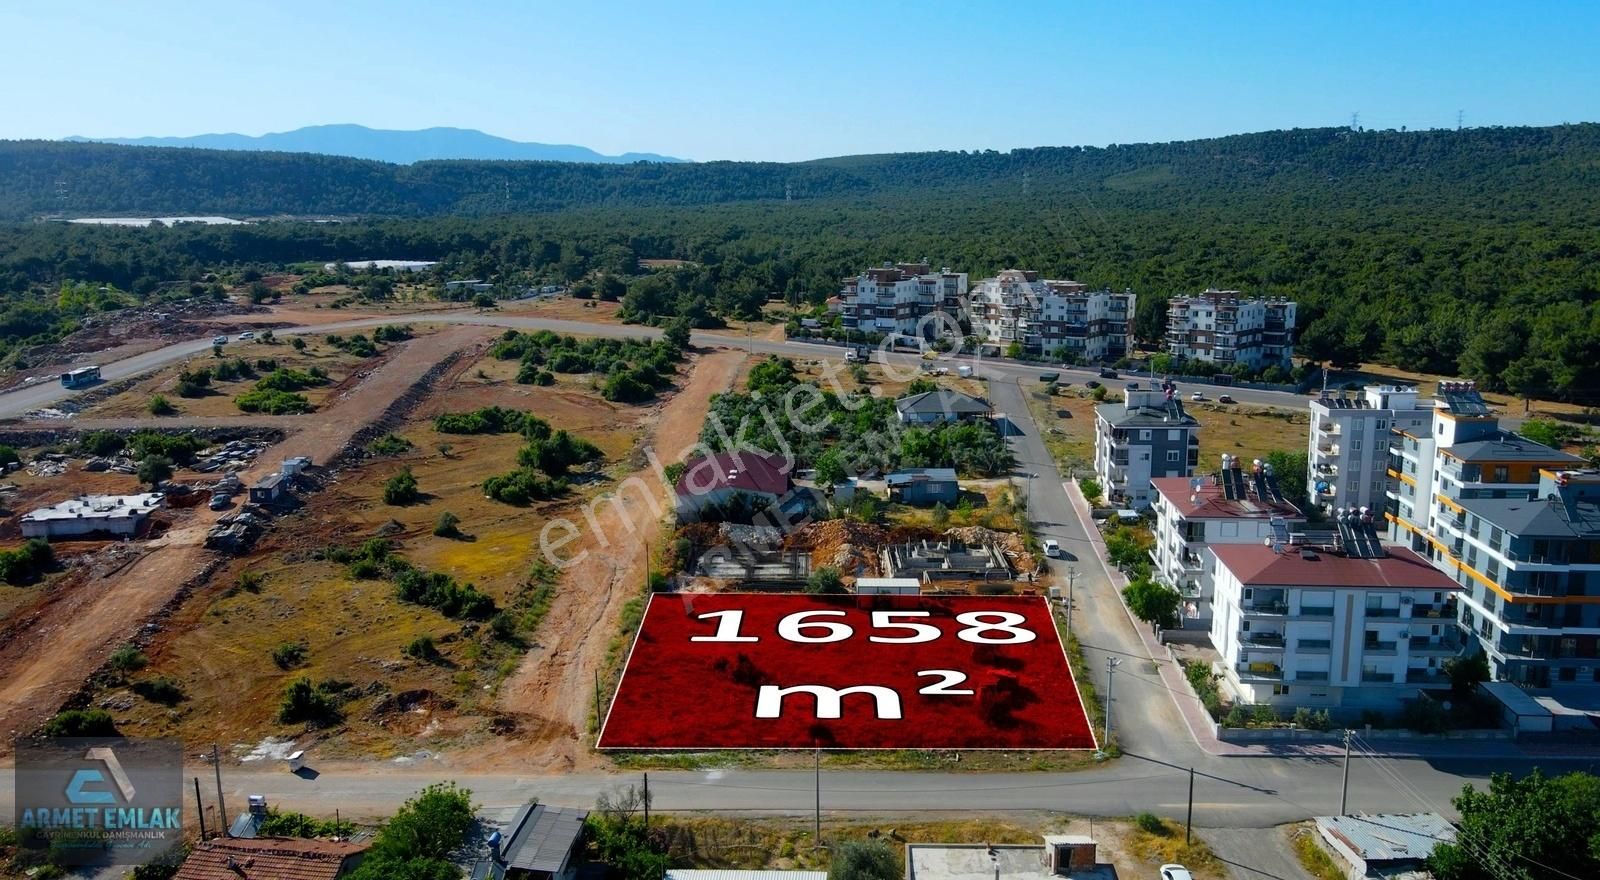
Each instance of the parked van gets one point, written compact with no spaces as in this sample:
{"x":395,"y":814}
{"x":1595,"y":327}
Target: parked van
{"x":964,"y":371}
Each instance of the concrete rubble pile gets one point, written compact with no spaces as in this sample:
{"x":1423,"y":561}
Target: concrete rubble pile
{"x":51,"y":464}
{"x":231,"y":456}
{"x":236,"y":533}
{"x":120,"y":464}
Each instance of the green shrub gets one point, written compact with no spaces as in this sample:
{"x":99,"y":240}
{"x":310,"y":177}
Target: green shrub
{"x":422,"y":648}
{"x":444,"y":594}
{"x":825,"y":580}
{"x":487,"y":420}
{"x":273,"y":403}
{"x":164,"y":690}
{"x":1150,"y":823}
{"x":1310,"y":719}
{"x":288,"y":655}
{"x":128,"y":659}
{"x":80,"y":723}
{"x":8,"y":455}
{"x":101,"y":443}
{"x":308,"y":703}
{"x":27,"y":563}
{"x":401,"y":489}
{"x":291,"y":824}
{"x":160,"y":406}
{"x":390,"y":444}
{"x":447,"y":526}
{"x":523,"y":486}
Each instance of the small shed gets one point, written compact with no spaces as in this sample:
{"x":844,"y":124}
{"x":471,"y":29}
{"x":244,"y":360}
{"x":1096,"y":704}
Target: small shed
{"x":1520,"y":711}
{"x":269,"y":489}
{"x":1387,"y":843}
{"x":924,"y":486}
{"x":543,"y":842}
{"x":888,"y":586}
{"x":294,"y":466}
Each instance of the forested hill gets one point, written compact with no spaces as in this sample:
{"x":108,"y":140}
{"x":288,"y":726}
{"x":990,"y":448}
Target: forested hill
{"x":1471,"y":171}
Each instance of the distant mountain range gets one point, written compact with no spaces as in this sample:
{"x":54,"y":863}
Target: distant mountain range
{"x":385,"y":145}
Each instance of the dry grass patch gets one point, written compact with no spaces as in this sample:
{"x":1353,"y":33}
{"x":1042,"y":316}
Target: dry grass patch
{"x":1314,"y":858}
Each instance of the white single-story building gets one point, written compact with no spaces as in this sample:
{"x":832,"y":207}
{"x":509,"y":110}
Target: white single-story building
{"x":89,"y":514}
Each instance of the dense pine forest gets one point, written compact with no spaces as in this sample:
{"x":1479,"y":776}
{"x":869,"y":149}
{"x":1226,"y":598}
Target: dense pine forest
{"x":1474,"y":252}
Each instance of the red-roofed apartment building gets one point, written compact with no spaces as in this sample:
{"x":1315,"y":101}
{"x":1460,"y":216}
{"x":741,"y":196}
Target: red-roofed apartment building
{"x":714,"y":480}
{"x":1233,"y":506}
{"x":270,"y":858}
{"x":1348,"y":626}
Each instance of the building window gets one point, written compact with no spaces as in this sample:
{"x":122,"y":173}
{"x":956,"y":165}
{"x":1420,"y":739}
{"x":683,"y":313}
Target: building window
{"x":1280,"y":690}
{"x":1502,"y":474}
{"x":1144,"y":435}
{"x":1172,"y":456}
{"x":1356,"y":445}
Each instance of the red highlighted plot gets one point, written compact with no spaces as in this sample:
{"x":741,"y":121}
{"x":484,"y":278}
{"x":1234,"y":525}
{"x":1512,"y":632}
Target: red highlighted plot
{"x":762,"y":671}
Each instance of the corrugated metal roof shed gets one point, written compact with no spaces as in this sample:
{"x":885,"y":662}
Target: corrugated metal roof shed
{"x":542,"y":841}
{"x":1389,"y":837}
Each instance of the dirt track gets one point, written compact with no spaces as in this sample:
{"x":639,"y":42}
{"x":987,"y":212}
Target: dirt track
{"x":552,"y":693}
{"x":76,"y":626}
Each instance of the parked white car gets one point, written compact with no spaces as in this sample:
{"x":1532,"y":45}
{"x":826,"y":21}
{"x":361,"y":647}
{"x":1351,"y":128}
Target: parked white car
{"x":1175,"y":872}
{"x":219,"y":340}
{"x":1198,"y":395}
{"x":247,"y":336}
{"x":1051,"y":548}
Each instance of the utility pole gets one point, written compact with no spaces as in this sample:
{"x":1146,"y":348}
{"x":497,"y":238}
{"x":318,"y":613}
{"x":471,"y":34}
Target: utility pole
{"x":1072,"y":580}
{"x":1459,"y":114}
{"x":200,"y":807}
{"x":817,"y":765}
{"x":222,"y":809}
{"x":1188,"y":823}
{"x":1355,"y":120}
{"x":1111,"y":668}
{"x":647,"y":803}
{"x":1344,"y":781}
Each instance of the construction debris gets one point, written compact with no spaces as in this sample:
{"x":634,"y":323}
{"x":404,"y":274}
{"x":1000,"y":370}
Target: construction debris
{"x":51,"y":464}
{"x":120,"y":464}
{"x":236,"y":533}
{"x":234,"y":455}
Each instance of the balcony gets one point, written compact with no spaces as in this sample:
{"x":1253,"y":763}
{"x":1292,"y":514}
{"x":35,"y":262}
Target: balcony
{"x":1309,"y":675}
{"x":1315,"y":611}
{"x":1313,"y":646}
{"x":1259,"y":672}
{"x":1447,"y":648}
{"x":1441,"y":611}
{"x":1270,"y":640}
{"x":1377,"y":677}
{"x":1383,"y":612}
{"x":1426,"y":676}
{"x":1266,"y":609}
{"x":1328,"y":427}
{"x":1380,"y":647}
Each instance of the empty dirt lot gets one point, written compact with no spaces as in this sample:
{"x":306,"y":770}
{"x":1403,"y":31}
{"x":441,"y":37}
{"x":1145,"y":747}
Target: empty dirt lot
{"x":72,"y":630}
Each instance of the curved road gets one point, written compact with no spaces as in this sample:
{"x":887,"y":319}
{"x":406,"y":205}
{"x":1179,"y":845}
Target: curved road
{"x":1158,"y":749}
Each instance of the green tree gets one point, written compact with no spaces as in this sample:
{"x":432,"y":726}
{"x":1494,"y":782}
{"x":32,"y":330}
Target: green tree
{"x":1466,"y":673}
{"x":1152,"y":602}
{"x":401,"y":489}
{"x":416,"y":843}
{"x":155,"y":469}
{"x":863,"y":860}
{"x":1291,"y":468}
{"x":830,"y":467}
{"x":1534,"y":828}
{"x":80,"y":723}
{"x":160,"y":406}
{"x":825,"y":580}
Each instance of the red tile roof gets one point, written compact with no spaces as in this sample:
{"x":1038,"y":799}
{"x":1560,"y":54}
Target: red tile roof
{"x":1257,"y":565}
{"x":269,"y":858}
{"x":745,"y":470}
{"x":1209,"y":502}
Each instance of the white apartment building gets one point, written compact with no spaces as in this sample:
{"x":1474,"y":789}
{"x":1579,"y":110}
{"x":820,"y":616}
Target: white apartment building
{"x":1355,"y":625}
{"x":1047,"y":317}
{"x":898,"y":297}
{"x":1233,"y":506}
{"x":1145,"y":437}
{"x":1348,"y":451}
{"x":1226,"y":328}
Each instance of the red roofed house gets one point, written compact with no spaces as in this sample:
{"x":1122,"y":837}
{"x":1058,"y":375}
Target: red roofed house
{"x":1354,"y":625}
{"x":270,"y":858}
{"x":716,"y":479}
{"x":1237,"y":505}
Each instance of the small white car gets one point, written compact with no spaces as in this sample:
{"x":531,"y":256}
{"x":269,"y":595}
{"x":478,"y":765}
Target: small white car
{"x":219,"y":340}
{"x":246,"y":336}
{"x":1198,"y":395}
{"x":1051,"y":548}
{"x":1175,"y":872}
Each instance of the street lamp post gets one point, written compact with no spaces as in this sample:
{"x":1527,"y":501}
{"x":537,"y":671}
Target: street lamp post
{"x":1111,"y":668}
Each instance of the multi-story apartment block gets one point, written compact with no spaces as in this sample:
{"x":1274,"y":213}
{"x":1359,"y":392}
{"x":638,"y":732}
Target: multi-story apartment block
{"x":1352,"y":625}
{"x":1146,"y":437}
{"x":1232,"y":506}
{"x":898,"y":297}
{"x":1348,"y":453}
{"x":1224,"y":328}
{"x":1531,"y":568}
{"x":1464,"y":462}
{"x":1047,"y":317}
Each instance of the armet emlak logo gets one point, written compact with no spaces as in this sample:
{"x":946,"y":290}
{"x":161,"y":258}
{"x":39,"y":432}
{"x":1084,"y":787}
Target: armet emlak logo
{"x":99,"y":801}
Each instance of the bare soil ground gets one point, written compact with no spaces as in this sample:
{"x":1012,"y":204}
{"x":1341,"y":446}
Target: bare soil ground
{"x":71,"y":628}
{"x":552,"y":693}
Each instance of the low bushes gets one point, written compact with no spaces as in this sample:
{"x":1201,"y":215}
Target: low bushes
{"x":27,"y":563}
{"x":487,"y":420}
{"x":273,"y":403}
{"x":310,"y":703}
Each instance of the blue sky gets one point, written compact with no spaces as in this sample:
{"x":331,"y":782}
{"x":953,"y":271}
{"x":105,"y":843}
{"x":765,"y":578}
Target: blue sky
{"x":753,"y":79}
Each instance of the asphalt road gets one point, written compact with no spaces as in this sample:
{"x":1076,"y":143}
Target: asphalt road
{"x":18,"y":401}
{"x":1158,"y":751}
